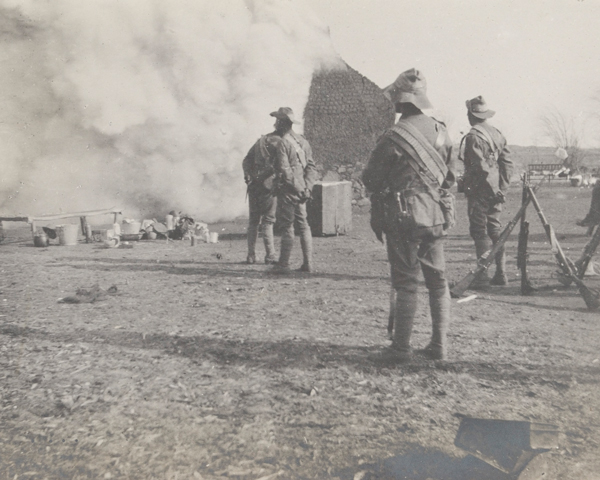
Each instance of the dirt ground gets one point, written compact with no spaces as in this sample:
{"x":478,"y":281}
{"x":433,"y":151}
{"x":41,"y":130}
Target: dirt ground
{"x":201,"y":367}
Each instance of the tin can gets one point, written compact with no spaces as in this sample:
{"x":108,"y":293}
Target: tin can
{"x":40,"y":240}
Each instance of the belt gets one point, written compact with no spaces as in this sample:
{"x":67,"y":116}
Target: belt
{"x":410,"y":192}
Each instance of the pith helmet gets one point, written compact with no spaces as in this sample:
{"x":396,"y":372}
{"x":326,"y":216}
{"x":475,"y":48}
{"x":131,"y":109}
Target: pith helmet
{"x":479,"y":108}
{"x":285,"y":113}
{"x":409,"y":87}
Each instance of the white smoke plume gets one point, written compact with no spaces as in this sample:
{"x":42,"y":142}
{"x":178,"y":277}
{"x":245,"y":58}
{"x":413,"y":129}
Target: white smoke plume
{"x":149,"y":105}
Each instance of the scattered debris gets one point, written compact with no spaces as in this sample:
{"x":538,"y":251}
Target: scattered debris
{"x":89,"y":296}
{"x":467,"y":299}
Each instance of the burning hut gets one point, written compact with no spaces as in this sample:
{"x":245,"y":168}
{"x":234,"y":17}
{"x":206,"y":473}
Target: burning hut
{"x":344,"y":116}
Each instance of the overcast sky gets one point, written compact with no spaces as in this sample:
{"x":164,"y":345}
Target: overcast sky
{"x":523,"y":56}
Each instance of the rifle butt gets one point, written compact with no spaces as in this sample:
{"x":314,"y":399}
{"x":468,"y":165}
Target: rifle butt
{"x":591,"y":299}
{"x":461,"y":287}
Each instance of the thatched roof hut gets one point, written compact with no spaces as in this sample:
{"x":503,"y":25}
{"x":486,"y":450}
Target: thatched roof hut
{"x":344,"y":116}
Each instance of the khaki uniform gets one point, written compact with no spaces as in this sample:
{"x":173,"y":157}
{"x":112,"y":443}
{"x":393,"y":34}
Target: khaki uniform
{"x":413,"y":222}
{"x":296,"y":176}
{"x":488,"y":169}
{"x":412,"y":245}
{"x":259,"y":173}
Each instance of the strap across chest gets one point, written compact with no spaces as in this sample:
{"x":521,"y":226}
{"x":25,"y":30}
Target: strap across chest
{"x":427,"y":157}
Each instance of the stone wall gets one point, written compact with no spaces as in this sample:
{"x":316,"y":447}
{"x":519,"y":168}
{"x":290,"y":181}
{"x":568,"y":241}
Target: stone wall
{"x":344,"y":116}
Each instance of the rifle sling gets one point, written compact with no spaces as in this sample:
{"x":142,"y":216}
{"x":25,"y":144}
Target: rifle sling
{"x":299,"y":150}
{"x":488,"y":139}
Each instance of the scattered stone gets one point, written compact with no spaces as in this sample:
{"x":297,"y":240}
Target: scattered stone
{"x":331,"y":176}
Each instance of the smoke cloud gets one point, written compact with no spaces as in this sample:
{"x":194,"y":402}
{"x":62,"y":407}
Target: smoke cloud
{"x":149,"y":105}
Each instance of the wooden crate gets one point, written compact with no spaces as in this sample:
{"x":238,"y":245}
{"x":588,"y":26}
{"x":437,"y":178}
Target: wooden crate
{"x":330,"y":210}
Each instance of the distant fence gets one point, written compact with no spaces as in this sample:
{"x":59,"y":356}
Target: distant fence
{"x":545,"y":170}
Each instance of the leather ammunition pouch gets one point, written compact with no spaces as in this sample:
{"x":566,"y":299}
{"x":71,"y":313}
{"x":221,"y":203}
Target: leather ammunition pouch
{"x":414,"y":208}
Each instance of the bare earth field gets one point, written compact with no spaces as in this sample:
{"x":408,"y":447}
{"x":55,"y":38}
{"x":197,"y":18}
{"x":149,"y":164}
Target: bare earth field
{"x":201,"y":367}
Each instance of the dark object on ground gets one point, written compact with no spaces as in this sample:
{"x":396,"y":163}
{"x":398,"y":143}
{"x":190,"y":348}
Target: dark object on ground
{"x":50,"y":232}
{"x":184,"y":225}
{"x":40,"y":240}
{"x":506,"y":448}
{"x":89,"y":296}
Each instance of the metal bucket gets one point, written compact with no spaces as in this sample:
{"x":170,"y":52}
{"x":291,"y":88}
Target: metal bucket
{"x":67,"y":234}
{"x":40,"y":240}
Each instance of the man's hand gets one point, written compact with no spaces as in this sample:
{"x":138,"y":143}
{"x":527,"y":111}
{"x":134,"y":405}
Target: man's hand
{"x":247,"y":179}
{"x":304,"y":195}
{"x":500,"y":198}
{"x":450,"y":222}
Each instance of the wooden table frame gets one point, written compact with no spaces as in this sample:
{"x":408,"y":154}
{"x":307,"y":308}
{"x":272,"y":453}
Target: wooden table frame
{"x":35,"y":221}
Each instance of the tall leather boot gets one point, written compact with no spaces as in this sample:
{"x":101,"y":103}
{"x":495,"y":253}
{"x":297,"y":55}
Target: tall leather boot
{"x":285,"y":252}
{"x":500,"y":275}
{"x":406,"y":307}
{"x":252,"y":237}
{"x":482,"y":280}
{"x":306,"y":243}
{"x":269,"y":241}
{"x":439,"y":304}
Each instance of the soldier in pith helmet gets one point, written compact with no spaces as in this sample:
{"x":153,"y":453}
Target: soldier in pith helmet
{"x":488,"y":169}
{"x":409,"y":175}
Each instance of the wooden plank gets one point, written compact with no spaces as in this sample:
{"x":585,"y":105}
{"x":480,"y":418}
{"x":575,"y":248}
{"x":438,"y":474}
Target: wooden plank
{"x":14,"y":219}
{"x":88,"y":213}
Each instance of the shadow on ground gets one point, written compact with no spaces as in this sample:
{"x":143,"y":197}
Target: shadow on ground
{"x":228,"y":269}
{"x":421,"y":464}
{"x":417,"y":464}
{"x":277,"y":355}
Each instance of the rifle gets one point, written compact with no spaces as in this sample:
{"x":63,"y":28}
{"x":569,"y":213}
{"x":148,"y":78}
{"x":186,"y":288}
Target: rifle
{"x":591,"y":298}
{"x":522,"y":255}
{"x":488,"y":258}
{"x":581,"y":265}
